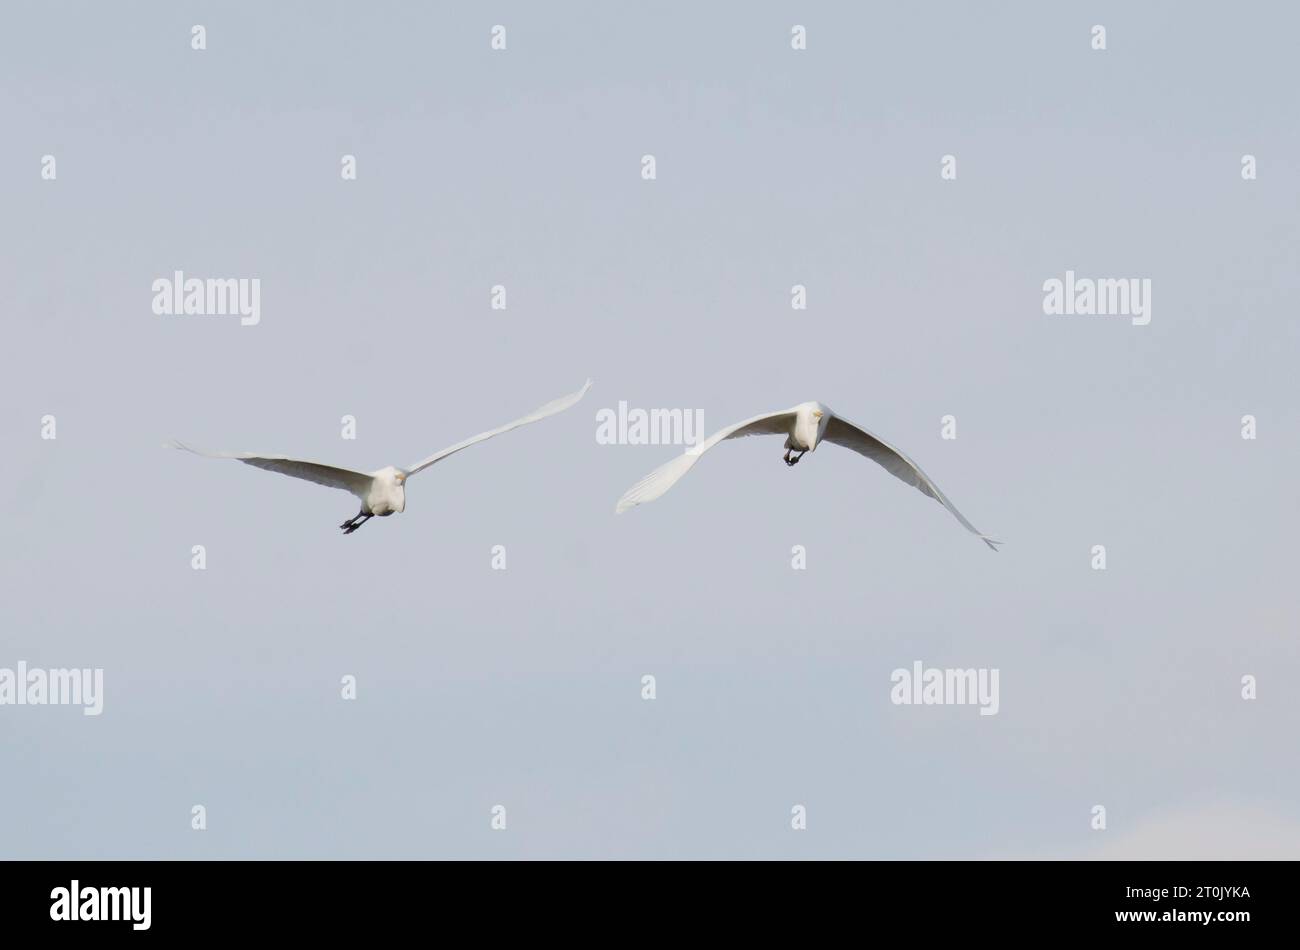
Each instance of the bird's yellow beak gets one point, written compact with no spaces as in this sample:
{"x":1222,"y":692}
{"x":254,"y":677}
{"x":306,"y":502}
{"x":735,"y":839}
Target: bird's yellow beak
{"x":817,"y":413}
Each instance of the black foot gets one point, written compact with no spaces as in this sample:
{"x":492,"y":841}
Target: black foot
{"x":792,"y":460}
{"x":356,"y":521}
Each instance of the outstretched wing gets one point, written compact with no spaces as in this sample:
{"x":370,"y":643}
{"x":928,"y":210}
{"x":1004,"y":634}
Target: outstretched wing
{"x":358,"y":483}
{"x":842,"y":432}
{"x":550,"y":409}
{"x":666,"y":475}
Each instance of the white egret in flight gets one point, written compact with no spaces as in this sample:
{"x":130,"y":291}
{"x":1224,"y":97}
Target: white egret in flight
{"x":382,"y":492}
{"x":805,"y":427}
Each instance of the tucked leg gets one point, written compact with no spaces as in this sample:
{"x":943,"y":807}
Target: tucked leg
{"x":356,"y":521}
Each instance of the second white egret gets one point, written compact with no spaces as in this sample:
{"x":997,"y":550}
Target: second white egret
{"x":382,"y":492}
{"x":804,"y":426}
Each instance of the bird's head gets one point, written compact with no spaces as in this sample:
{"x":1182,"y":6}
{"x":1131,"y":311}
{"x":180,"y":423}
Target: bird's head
{"x":819,"y":418}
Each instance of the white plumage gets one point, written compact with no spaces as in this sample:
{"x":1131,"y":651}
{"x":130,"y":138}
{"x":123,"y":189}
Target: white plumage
{"x":804,"y":426}
{"x":381,"y":492}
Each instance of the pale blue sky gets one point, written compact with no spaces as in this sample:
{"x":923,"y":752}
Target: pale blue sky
{"x":522,"y":687}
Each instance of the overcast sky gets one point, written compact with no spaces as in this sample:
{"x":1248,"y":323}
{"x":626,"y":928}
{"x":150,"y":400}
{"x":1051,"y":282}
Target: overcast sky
{"x":523,"y":687}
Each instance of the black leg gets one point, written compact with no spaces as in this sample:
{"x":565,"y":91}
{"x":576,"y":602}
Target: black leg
{"x":792,"y":461}
{"x":356,"y":521}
